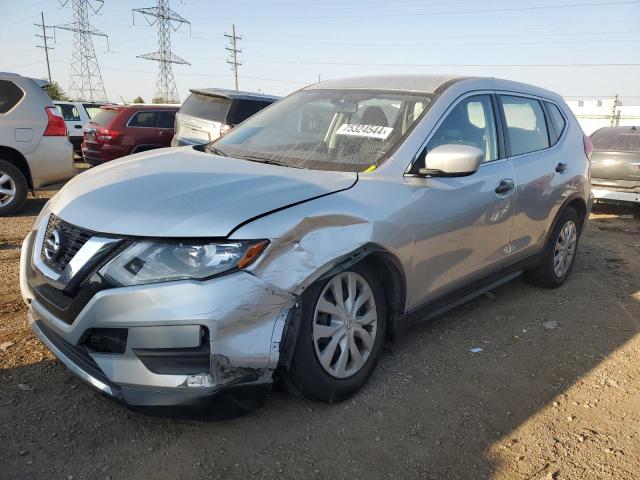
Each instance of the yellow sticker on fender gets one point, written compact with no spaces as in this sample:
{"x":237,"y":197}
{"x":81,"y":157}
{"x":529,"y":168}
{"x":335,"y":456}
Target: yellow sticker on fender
{"x":370,"y":131}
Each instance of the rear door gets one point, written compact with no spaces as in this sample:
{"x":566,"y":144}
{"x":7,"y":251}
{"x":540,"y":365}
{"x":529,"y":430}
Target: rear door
{"x":166,"y":121}
{"x":142,"y":129}
{"x":542,"y":171}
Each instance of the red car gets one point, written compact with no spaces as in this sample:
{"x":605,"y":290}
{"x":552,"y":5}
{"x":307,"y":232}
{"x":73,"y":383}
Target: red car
{"x":119,"y":130}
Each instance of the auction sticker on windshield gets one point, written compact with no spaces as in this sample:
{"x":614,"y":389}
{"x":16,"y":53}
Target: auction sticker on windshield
{"x":371,"y":131}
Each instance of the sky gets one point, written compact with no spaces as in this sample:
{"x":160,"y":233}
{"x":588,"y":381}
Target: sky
{"x":578,"y":48}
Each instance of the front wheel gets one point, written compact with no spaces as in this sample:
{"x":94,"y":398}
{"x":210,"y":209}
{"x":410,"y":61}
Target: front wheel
{"x":342,"y":332}
{"x":560,"y":253}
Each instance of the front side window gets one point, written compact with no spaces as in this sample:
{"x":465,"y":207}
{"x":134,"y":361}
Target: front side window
{"x":10,"y":95}
{"x":69,"y":112}
{"x":526,"y":126}
{"x":334,"y":129}
{"x":144,"y":119}
{"x":471,"y":122}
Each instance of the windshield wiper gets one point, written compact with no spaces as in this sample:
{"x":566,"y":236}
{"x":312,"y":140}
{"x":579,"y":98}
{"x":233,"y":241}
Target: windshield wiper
{"x":215,"y":150}
{"x":268,"y":161}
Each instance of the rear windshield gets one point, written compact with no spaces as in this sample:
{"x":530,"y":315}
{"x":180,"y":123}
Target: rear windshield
{"x":625,"y":140}
{"x":91,"y":109}
{"x":104,"y":117}
{"x":208,"y":108}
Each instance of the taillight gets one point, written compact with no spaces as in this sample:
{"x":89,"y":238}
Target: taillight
{"x":55,"y":124}
{"x":105,"y":135}
{"x":588,"y":146}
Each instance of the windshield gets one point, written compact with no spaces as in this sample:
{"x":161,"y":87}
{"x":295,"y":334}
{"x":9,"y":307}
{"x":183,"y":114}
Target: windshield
{"x":625,"y":140}
{"x":206,"y":107}
{"x":345,"y":130}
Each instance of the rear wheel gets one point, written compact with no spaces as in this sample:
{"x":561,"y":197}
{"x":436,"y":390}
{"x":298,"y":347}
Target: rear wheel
{"x":341,"y":336}
{"x":13,"y":189}
{"x":560,"y":253}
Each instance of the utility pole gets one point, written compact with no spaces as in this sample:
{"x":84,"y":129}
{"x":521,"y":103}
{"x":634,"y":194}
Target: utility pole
{"x":85,"y":82}
{"x":613,"y":111}
{"x":234,"y":51}
{"x":167,"y":20}
{"x":44,"y":38}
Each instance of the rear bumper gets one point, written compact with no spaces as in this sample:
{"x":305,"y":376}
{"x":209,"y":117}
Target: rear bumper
{"x":52,"y":161}
{"x":103,"y":154}
{"x":605,"y":195}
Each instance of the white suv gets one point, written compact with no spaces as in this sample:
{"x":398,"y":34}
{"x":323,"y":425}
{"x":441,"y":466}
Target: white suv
{"x":34,"y":148}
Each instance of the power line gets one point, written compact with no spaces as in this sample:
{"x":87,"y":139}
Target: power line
{"x":44,"y":37}
{"x":167,"y":20}
{"x":233,"y":50}
{"x":85,"y":82}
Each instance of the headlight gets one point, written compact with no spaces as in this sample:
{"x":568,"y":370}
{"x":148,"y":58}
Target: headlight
{"x":157,"y":261}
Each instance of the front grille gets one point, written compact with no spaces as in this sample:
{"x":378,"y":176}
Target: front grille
{"x":72,"y":240}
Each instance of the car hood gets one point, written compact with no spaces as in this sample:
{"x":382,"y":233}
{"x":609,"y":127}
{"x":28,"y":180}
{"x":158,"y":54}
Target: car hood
{"x":182,"y":192}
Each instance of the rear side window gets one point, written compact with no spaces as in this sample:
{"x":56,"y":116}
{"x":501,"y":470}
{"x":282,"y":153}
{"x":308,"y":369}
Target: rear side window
{"x":471,"y":122}
{"x":69,"y":112}
{"x":166,"y":119}
{"x":104,"y":117}
{"x":206,"y":107}
{"x":557,"y":120}
{"x":526,"y":126}
{"x":245,"y":109}
{"x":144,"y":119}
{"x":10,"y":95}
{"x":617,"y":139}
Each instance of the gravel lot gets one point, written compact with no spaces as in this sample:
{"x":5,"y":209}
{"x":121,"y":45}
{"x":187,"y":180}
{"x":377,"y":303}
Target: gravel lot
{"x":554,"y":393}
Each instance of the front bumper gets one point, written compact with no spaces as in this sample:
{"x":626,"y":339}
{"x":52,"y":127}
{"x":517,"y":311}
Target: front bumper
{"x":244,"y":318}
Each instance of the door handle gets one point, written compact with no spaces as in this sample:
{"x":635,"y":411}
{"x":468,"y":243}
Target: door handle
{"x":561,"y":167}
{"x":504,"y":187}
{"x":77,"y":126}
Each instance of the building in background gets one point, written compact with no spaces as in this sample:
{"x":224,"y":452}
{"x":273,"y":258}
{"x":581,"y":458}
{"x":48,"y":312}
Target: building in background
{"x":595,"y":113}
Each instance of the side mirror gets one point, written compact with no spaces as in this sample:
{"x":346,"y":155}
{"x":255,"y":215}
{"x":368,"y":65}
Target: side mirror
{"x":452,"y":161}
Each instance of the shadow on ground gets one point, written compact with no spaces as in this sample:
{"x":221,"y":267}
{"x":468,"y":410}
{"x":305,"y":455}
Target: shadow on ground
{"x":431,"y":410}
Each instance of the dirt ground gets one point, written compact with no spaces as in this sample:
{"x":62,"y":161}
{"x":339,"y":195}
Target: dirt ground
{"x":554,"y":393}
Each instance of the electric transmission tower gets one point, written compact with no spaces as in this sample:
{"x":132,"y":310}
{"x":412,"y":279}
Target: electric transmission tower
{"x":85,"y":83}
{"x":44,"y":37}
{"x":233,"y":51}
{"x":167,"y":20}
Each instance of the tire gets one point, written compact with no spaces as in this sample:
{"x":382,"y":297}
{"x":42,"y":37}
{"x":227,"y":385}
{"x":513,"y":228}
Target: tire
{"x":546,"y":274}
{"x":13,"y":189}
{"x":306,"y":376}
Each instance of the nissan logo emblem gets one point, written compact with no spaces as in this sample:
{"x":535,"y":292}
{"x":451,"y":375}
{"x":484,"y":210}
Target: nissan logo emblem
{"x":52,"y":245}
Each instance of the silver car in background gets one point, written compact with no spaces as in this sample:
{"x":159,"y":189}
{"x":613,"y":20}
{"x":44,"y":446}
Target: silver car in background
{"x":295,"y":245}
{"x":209,"y":113}
{"x":34,"y":148}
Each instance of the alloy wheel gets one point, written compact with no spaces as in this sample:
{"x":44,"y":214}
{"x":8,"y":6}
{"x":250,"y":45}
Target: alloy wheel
{"x":565,"y":249}
{"x":345,"y":324}
{"x":7,"y":189}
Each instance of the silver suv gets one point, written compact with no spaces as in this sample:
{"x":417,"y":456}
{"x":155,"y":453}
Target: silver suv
{"x":301,"y":240}
{"x":34,"y":148}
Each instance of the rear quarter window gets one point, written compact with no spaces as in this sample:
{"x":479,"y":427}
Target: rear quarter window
{"x":104,"y":117}
{"x":557,"y":120}
{"x":208,"y":108}
{"x":10,"y":95}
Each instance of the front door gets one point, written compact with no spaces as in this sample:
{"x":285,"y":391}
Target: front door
{"x":462,"y":225}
